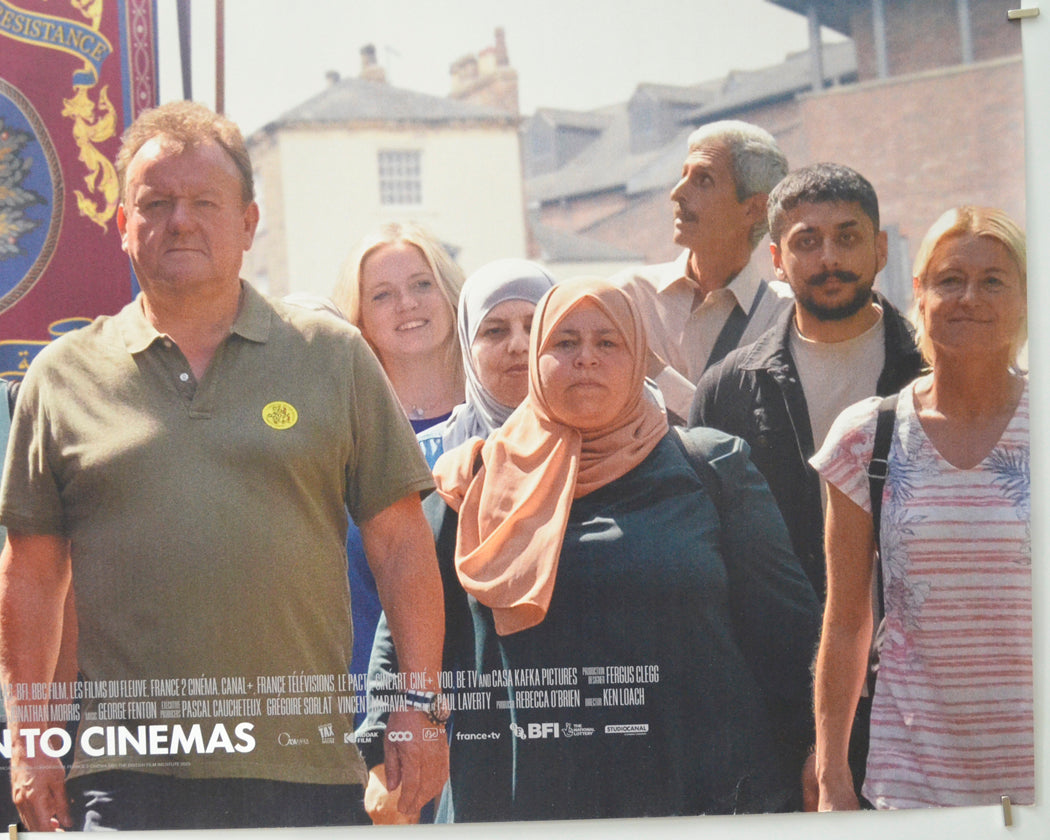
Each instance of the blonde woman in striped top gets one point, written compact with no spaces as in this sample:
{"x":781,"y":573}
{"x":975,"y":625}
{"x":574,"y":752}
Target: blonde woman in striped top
{"x":951,"y":720}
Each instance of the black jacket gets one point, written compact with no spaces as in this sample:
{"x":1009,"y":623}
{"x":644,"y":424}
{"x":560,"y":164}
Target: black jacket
{"x":755,"y":393}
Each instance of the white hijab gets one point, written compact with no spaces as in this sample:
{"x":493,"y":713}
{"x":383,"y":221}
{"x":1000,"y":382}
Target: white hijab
{"x":485,"y":289}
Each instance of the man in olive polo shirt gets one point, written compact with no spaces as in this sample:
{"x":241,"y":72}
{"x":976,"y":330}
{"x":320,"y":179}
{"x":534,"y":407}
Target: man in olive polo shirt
{"x":185,"y":466}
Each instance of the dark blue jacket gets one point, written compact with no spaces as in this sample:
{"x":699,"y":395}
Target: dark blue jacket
{"x":755,"y":393}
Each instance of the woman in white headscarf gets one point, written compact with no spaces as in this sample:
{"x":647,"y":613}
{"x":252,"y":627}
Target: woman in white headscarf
{"x":494,"y":318}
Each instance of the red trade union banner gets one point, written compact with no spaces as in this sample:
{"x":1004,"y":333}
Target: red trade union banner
{"x":73,"y":75}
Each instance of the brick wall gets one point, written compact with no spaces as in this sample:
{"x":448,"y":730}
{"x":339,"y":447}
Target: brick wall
{"x":645,"y":226}
{"x":924,"y":34}
{"x":579,"y":214}
{"x":926,"y":142}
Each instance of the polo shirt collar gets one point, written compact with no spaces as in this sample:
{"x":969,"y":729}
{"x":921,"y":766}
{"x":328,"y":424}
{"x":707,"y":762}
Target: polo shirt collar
{"x":252,"y":321}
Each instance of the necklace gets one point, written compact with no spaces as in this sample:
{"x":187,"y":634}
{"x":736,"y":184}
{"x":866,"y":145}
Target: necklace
{"x":420,"y":412}
{"x":423,"y":399}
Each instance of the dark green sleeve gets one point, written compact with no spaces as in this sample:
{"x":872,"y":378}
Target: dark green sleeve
{"x":387,"y":464}
{"x":776,"y":614}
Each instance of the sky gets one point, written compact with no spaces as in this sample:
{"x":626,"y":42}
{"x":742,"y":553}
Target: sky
{"x":574,"y":54}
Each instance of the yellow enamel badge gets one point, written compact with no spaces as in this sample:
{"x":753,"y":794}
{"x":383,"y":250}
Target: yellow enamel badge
{"x":280,"y":415}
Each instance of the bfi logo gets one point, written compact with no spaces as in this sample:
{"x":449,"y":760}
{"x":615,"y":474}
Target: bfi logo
{"x":538,"y":731}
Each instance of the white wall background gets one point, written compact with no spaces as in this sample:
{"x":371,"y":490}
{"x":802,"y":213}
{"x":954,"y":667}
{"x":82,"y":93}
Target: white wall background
{"x":472,"y":196}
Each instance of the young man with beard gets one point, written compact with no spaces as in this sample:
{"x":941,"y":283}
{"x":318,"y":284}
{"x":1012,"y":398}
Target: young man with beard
{"x":840,"y":343}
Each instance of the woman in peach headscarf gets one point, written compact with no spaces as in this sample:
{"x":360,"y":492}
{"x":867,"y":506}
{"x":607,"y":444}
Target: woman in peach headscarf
{"x":646,"y":644}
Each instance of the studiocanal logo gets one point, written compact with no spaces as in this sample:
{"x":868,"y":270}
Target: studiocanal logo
{"x":627,"y":729}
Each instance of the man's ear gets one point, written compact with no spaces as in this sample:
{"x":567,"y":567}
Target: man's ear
{"x":122,"y":226}
{"x":251,"y":223}
{"x":882,"y":249}
{"x":778,"y":264}
{"x":756,"y":206}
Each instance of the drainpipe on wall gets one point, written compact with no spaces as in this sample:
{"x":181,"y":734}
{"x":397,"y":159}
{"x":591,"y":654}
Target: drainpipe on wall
{"x":878,"y":19}
{"x":816,"y":48}
{"x":965,"y":31}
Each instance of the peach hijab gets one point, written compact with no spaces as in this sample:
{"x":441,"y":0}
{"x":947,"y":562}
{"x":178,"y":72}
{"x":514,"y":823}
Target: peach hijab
{"x":514,"y":507}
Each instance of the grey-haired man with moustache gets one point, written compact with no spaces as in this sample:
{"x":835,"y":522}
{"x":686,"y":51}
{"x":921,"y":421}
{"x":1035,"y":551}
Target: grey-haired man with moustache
{"x":718,"y":294}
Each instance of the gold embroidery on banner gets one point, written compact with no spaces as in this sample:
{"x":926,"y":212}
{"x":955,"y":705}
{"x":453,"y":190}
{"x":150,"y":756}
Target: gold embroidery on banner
{"x":91,"y":9}
{"x":94,"y":121}
{"x":87,"y":131}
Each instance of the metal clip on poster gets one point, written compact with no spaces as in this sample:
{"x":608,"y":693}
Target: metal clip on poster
{"x":1015,"y":14}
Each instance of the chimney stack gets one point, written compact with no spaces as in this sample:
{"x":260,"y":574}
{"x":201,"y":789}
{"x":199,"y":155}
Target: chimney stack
{"x":501,"y":48}
{"x":487,"y":78}
{"x":370,"y":69}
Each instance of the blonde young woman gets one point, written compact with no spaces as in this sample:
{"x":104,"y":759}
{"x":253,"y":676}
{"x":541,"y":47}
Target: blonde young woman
{"x":952,"y":716}
{"x":401,"y":288}
{"x":495,"y":319}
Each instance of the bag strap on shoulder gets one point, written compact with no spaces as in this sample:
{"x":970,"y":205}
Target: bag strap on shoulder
{"x":733,"y":329}
{"x":878,"y":469}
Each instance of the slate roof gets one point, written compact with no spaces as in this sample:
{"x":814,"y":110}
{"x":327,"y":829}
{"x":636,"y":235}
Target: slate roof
{"x":557,"y":245}
{"x":750,"y":88}
{"x":605,"y":164}
{"x":608,"y":163}
{"x":361,"y":101}
{"x":679,"y":95}
{"x":586,"y":120}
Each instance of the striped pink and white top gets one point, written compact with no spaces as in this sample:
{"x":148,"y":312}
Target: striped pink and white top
{"x":952,"y":718}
